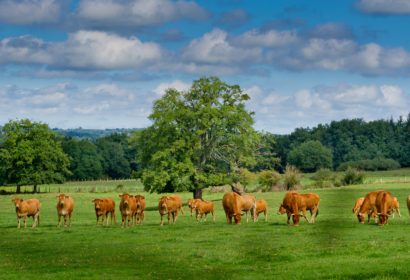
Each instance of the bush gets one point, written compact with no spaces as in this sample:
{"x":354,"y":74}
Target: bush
{"x":352,"y":177}
{"x":377,"y":164}
{"x":246,"y":177}
{"x":291,"y":178}
{"x":268,"y":178}
{"x":325,"y":178}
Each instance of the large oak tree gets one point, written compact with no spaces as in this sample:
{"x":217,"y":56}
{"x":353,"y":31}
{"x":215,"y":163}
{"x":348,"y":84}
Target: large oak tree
{"x":198,"y":138}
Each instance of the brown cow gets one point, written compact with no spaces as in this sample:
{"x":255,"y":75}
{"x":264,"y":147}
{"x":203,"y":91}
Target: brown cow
{"x":290,"y":206}
{"x":65,"y":207}
{"x":312,"y":201}
{"x":104,"y":207}
{"x":248,"y":204}
{"x":234,"y":204}
{"x":128,"y":206}
{"x":203,"y":208}
{"x":261,"y":207}
{"x":191,"y":203}
{"x":139,"y":212}
{"x":368,"y":207}
{"x":384,"y":206}
{"x":27,"y":208}
{"x":308,"y":201}
{"x":357,"y":205}
{"x":408,"y":203}
{"x":396,"y":207}
{"x":169,"y":205}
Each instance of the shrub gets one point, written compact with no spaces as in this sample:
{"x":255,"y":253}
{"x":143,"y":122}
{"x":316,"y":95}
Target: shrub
{"x":352,"y":177}
{"x":246,"y":177}
{"x":325,"y":178}
{"x":120,"y":188}
{"x":370,"y":164}
{"x":291,"y":178}
{"x":268,"y":178}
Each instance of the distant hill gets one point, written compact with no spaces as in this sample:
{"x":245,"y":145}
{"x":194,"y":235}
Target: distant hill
{"x":83,"y":133}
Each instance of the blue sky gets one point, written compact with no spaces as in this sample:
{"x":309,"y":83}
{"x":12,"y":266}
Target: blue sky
{"x":101,"y":63}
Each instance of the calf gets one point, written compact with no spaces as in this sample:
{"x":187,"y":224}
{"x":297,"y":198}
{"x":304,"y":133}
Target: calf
{"x":248,"y":204}
{"x":191,"y":202}
{"x":103,"y":207}
{"x":309,"y":201}
{"x":203,"y":208}
{"x":27,"y":208}
{"x":261,"y":207}
{"x":140,"y":208}
{"x":128,"y":206}
{"x":384,"y":205}
{"x":368,"y":207}
{"x":169,"y":205}
{"x":65,"y":207}
{"x":396,"y":207}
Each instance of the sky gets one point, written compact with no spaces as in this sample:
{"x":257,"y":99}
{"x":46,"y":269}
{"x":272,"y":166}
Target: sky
{"x":102,"y":63}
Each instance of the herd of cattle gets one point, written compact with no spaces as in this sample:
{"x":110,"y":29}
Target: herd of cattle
{"x":379,"y":205}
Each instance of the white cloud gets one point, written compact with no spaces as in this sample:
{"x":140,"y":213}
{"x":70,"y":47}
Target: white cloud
{"x":214,"y":48}
{"x":393,"y":96}
{"x":177,"y":84}
{"x":303,"y":99}
{"x":31,"y":11}
{"x":117,"y":13}
{"x":384,"y":6}
{"x":271,"y":38}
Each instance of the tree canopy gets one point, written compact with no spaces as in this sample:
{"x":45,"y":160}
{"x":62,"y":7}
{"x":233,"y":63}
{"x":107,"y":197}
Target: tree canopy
{"x":31,"y":154}
{"x":310,"y":156}
{"x":198,"y":138}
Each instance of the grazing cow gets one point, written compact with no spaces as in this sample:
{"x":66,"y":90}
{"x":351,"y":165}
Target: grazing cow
{"x":191,"y":202}
{"x":234,"y":204}
{"x":65,"y":207}
{"x":396,"y":207}
{"x":368,"y":207}
{"x":408,"y":203}
{"x":384,"y":206}
{"x":290,"y":206}
{"x":261,"y":207}
{"x":104,"y":207}
{"x":203,"y":208}
{"x":128,"y":206}
{"x":139,"y":212}
{"x":27,"y":208}
{"x":308,"y":201}
{"x":169,"y":205}
{"x":357,"y":205}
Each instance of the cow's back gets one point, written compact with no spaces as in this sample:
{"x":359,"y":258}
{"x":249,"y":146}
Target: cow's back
{"x":32,"y":205}
{"x":311,"y":200}
{"x":247,"y":201}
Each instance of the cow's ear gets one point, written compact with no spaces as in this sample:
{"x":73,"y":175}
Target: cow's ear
{"x":93,"y":201}
{"x":67,"y":196}
{"x":120,"y":195}
{"x":13,"y":200}
{"x":142,"y":197}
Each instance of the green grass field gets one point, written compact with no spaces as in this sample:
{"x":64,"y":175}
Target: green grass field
{"x":335,"y":247}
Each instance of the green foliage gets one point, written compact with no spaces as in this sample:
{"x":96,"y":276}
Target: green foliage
{"x":353,"y":177}
{"x":31,"y":154}
{"x":310,"y":156}
{"x":268,"y":178}
{"x":114,"y":161}
{"x":196,"y":137}
{"x":246,"y":177}
{"x":325,"y":178}
{"x":85,"y":159}
{"x":377,"y":164}
{"x":266,"y":158}
{"x":291,"y":178}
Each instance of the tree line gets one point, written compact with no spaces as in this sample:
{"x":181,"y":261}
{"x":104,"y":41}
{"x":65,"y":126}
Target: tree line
{"x":198,"y":138}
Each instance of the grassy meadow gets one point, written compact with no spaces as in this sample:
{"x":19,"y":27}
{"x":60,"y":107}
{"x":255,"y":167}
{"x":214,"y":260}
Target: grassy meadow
{"x":335,"y":247}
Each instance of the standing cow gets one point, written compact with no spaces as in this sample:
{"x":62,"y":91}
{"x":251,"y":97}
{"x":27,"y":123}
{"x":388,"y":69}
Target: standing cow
{"x":103,"y":207}
{"x":290,"y":205}
{"x":169,"y":205}
{"x":190,"y":203}
{"x":396,"y":207}
{"x":203,"y":208}
{"x":140,"y":208}
{"x":65,"y":207}
{"x":234,"y":204}
{"x":128,"y":207}
{"x":308,"y":201}
{"x":27,"y":208}
{"x":357,"y":205}
{"x":261,"y":207}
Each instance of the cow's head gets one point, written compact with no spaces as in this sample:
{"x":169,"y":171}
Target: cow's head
{"x":97,"y":203}
{"x":61,"y":198}
{"x":163,"y":206}
{"x":125,"y":199}
{"x":281,"y":210}
{"x":17,"y":202}
{"x":138,"y":200}
{"x":361,"y":217}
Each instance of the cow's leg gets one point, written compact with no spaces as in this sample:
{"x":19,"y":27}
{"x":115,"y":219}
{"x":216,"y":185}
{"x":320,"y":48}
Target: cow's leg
{"x":169,"y":217}
{"x":59,"y":219}
{"x":18,"y":222}
{"x":288,"y":222}
{"x":65,"y":219}
{"x":398,"y":212}
{"x":312,"y":215}
{"x":175,"y":216}
{"x":24,"y":218}
{"x":246,"y":216}
{"x":162,"y":222}
{"x":113,"y":215}
{"x":69,"y":219}
{"x":34,"y":220}
{"x":228,"y":218}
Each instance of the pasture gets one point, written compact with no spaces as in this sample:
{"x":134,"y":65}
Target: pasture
{"x":335,"y":247}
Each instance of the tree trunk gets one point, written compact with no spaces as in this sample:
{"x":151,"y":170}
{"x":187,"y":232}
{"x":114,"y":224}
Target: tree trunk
{"x":197,"y":193}
{"x":34,"y":188}
{"x":18,"y":190}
